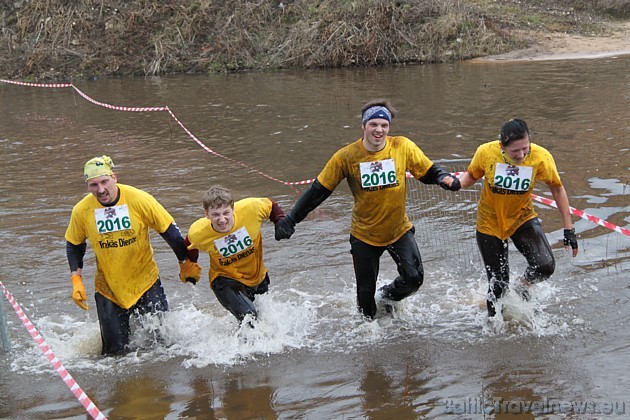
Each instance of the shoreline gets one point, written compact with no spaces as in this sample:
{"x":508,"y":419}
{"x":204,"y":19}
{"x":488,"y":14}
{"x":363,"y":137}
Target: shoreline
{"x":558,"y":46}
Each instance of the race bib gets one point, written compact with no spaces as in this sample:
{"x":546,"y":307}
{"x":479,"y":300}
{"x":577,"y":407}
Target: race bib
{"x":112,"y":219}
{"x":378,"y":173}
{"x":515,"y":178}
{"x":234,"y":242}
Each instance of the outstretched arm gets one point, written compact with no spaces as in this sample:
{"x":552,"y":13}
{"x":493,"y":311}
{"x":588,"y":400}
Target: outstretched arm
{"x":312,"y":197}
{"x":437,"y":175}
{"x":467,"y":180}
{"x":174,"y":239}
{"x":189,"y":270}
{"x":562,"y":201}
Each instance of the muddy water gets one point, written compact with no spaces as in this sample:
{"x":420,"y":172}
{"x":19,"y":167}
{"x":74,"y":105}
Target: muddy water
{"x":311,"y":355}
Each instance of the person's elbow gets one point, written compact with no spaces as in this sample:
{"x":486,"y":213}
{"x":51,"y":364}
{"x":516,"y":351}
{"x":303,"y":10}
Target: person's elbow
{"x":467,"y":180}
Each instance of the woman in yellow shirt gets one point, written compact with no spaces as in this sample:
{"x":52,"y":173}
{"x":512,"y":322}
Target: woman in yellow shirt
{"x":510,"y":168}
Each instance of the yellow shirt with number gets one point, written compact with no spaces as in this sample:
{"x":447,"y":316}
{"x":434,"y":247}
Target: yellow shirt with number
{"x":379,"y":215}
{"x":125,"y":267}
{"x":237,"y":254}
{"x":502,"y":210}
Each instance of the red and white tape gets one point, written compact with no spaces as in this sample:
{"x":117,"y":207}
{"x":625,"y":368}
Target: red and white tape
{"x":546,"y":201}
{"x":584,"y":215}
{"x":56,"y":363}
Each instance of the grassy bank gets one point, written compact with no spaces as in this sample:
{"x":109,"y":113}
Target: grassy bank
{"x":56,"y":39}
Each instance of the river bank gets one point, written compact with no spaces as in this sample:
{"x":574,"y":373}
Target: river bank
{"x":64,"y":40}
{"x":562,"y":46}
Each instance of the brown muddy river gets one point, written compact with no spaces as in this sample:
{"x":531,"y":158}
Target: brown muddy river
{"x":311,"y":355}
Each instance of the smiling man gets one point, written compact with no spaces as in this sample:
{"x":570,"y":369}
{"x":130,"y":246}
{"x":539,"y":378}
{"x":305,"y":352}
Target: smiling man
{"x":375,"y":168}
{"x":231,"y":235}
{"x":115,"y":219}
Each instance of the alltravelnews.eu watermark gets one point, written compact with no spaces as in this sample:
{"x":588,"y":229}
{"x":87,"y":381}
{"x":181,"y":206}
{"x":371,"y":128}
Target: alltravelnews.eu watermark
{"x":479,"y":405}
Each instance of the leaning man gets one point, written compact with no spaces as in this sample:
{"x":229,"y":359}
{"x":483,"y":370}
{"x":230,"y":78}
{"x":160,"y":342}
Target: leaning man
{"x":116,"y":218}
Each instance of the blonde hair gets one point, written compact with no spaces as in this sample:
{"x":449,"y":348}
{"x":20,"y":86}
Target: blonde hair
{"x":217,"y":196}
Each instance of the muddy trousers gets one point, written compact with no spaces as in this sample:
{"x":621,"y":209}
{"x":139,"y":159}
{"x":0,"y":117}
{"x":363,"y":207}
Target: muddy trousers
{"x":237,"y":297}
{"x":366,"y":259}
{"x":530,"y":240}
{"x":115,"y":321}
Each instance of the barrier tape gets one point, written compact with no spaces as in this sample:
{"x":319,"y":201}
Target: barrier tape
{"x":583,"y":215}
{"x":56,"y":363}
{"x":574,"y":211}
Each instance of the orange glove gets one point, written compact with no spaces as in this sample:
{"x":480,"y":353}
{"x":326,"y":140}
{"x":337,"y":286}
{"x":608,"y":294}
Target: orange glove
{"x":78,"y":292}
{"x":189,"y":272}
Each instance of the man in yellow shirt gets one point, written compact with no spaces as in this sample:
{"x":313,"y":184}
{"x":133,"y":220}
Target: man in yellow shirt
{"x":115,"y":219}
{"x":510,"y":168}
{"x":231,"y":235}
{"x":375,"y":168}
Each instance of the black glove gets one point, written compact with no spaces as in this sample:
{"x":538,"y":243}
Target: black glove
{"x":455,"y":185}
{"x":570,"y":238}
{"x":285,"y":228}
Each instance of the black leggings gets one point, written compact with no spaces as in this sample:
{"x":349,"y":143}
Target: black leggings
{"x":531,"y":241}
{"x":237,"y":297}
{"x":366,"y":260}
{"x":114,"y":320}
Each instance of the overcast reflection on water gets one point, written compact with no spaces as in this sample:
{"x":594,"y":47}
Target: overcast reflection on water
{"x":311,"y":355}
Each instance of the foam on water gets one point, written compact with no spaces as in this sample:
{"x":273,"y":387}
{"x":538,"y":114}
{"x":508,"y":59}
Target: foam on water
{"x":449,"y":307}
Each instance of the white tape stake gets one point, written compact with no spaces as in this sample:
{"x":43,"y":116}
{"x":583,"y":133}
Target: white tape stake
{"x":56,"y":363}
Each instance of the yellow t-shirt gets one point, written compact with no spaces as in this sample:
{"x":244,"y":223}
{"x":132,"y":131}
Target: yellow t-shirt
{"x":378,"y":183}
{"x":119,"y":236}
{"x":505,"y":202}
{"x":237,"y":254}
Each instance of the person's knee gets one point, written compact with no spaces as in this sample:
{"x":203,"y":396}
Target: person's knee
{"x":413,"y":277}
{"x":114,"y":338}
{"x":541,"y":272}
{"x":232,"y":297}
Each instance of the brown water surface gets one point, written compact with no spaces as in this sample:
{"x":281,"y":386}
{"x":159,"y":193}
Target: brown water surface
{"x":311,"y":355}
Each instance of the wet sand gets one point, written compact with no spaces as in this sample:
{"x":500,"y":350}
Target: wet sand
{"x":558,"y":46}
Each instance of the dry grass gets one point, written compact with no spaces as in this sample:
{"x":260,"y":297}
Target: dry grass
{"x":60,"y":39}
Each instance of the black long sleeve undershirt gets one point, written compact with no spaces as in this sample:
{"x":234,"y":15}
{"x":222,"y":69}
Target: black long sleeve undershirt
{"x":434,"y":175}
{"x":174,"y":239}
{"x":309,"y":200}
{"x":75,"y":254}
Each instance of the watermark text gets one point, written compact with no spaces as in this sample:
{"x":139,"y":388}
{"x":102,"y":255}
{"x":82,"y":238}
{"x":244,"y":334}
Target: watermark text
{"x":479,"y":405}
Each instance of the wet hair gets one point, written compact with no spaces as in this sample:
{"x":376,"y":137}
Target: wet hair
{"x":379,"y":102}
{"x":515,"y":129}
{"x":217,"y":196}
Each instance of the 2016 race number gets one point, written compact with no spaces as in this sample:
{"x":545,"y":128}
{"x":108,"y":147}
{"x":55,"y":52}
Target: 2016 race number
{"x":509,"y":183}
{"x":514,"y":178}
{"x":112,"y":225}
{"x":377,"y":173}
{"x":234,"y":243}
{"x":236,"y":247}
{"x":112,"y":219}
{"x":376,"y":179}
